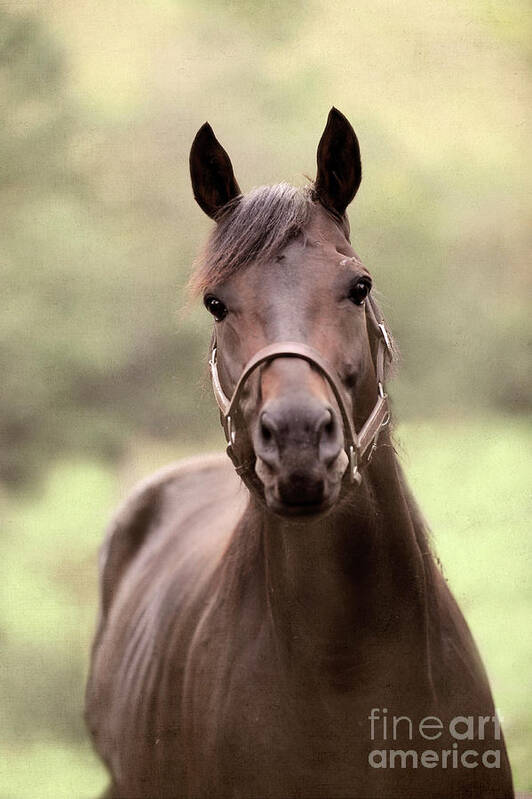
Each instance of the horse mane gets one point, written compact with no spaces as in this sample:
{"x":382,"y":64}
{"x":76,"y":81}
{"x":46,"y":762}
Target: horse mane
{"x":252,"y":227}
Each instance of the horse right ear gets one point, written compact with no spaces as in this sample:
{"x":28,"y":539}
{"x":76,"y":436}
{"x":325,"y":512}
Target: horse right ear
{"x":339,"y":168}
{"x":211,"y":172}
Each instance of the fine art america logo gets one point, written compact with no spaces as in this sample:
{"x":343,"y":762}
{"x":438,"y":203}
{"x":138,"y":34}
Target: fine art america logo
{"x":462,"y":729}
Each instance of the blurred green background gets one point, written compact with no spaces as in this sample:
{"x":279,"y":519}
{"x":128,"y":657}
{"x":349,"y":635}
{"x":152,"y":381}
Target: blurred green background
{"x":103,"y":361}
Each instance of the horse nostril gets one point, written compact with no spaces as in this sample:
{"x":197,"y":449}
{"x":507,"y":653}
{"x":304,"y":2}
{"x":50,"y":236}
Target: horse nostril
{"x":267,"y":430}
{"x":329,"y":427}
{"x":265,"y":433}
{"x":266,"y":440}
{"x":329,"y":437}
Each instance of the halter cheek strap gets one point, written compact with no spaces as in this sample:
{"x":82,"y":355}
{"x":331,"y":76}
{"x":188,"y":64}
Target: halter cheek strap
{"x":357,"y":445}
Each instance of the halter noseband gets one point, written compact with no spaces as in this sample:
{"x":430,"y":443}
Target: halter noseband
{"x":356,"y":444}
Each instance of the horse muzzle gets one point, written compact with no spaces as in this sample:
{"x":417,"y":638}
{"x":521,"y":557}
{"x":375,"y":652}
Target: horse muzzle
{"x":300,"y":458}
{"x":282,"y":454}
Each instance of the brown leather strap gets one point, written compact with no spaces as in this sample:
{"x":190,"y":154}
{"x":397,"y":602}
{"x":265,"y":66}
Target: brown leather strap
{"x":294,"y":349}
{"x":356,"y":445}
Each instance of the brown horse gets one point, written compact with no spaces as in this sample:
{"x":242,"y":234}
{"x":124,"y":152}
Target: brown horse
{"x":281,"y":628}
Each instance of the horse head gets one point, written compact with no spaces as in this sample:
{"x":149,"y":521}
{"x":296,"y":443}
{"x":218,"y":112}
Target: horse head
{"x":298,"y":351}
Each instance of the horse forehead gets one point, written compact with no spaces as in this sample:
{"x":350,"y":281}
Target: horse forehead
{"x":319,"y":252}
{"x":305,"y":268}
{"x":306,"y":265}
{"x":296,"y":278}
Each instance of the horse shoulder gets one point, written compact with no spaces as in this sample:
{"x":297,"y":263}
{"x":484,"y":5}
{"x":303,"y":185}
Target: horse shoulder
{"x":155,"y":564}
{"x":163,"y":500}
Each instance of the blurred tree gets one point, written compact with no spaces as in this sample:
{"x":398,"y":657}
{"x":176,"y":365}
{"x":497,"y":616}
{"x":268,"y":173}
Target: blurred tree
{"x":88,"y":343}
{"x":36,"y":124}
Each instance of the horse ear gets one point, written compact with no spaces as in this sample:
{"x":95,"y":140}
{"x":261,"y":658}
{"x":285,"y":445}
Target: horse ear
{"x":339,"y":167}
{"x":211,"y":172}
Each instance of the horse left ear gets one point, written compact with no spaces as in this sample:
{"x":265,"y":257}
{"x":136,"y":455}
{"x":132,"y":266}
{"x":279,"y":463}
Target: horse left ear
{"x":211,"y":172}
{"x":339,"y":167}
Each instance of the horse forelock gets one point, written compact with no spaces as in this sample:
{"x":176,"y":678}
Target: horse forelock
{"x":253,"y":227}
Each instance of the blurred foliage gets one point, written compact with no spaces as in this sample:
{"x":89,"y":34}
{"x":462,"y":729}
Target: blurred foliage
{"x":99,"y":229}
{"x":90,"y":349}
{"x":48,"y":590}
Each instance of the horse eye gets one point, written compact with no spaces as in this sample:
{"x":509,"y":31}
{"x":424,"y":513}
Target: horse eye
{"x":215,"y":306}
{"x":359,"y":291}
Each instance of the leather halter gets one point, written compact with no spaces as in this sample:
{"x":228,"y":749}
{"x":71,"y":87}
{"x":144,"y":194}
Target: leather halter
{"x":358,"y":446}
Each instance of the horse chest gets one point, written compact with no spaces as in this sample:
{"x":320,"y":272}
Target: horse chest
{"x":275,"y":740}
{"x":279,"y":734}
{"x":287,"y":731}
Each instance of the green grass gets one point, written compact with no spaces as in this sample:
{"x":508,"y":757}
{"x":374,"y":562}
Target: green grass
{"x":47,"y":604}
{"x":473,"y":484}
{"x":472,"y":481}
{"x":51,"y":770}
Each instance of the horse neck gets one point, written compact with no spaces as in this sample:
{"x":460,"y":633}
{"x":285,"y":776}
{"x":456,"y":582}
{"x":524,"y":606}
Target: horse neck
{"x":362,"y":573}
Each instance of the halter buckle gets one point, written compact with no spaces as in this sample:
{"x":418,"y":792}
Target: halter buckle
{"x":231,"y":432}
{"x":372,"y":450}
{"x":354,"y":473}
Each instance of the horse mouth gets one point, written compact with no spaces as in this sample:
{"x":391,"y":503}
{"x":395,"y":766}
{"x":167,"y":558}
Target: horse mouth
{"x":300,"y":495}
{"x":303,"y":510}
{"x":298,"y":508}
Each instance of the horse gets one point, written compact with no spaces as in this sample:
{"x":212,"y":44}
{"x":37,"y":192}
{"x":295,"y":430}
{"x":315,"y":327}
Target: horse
{"x":275,"y":624}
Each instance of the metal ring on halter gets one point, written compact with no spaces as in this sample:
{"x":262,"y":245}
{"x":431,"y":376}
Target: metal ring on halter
{"x":382,"y":393}
{"x":354,"y":473}
{"x":231,"y":432}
